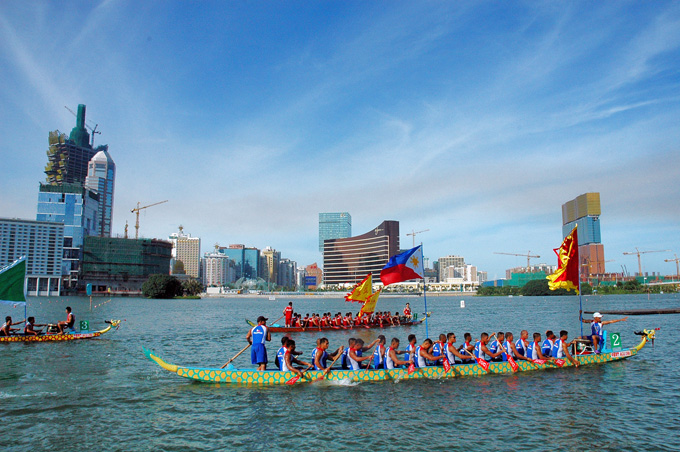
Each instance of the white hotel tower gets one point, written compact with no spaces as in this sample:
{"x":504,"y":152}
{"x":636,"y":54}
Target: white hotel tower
{"x":101,"y":177}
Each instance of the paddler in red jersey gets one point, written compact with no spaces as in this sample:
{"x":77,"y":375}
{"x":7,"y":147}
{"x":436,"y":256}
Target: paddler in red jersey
{"x":407,"y":312}
{"x":288,"y":312}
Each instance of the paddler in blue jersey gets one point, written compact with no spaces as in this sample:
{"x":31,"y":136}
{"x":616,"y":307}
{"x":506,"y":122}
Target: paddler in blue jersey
{"x":522,"y":344}
{"x":320,"y":354}
{"x":439,"y":350}
{"x":379,"y":353}
{"x":354,"y":357}
{"x":512,"y":348}
{"x":282,"y":351}
{"x":561,"y":348}
{"x":496,"y":349}
{"x":391,"y":359}
{"x":482,"y":351}
{"x":547,"y":345}
{"x":257,"y":337}
{"x":423,"y":357}
{"x":534,"y":349}
{"x":452,"y":353}
{"x":411,"y":348}
{"x":596,"y":329}
{"x":289,"y":359}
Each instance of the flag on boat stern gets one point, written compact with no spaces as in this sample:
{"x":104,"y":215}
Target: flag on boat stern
{"x":362,"y":291}
{"x":403,"y":267}
{"x":567,"y":274}
{"x":12,"y":286}
{"x":369,"y":306}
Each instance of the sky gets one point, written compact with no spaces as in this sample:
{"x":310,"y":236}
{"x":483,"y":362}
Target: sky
{"x":473,"y":120}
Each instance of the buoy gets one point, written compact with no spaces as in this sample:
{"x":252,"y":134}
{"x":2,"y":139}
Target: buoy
{"x":462,"y":303}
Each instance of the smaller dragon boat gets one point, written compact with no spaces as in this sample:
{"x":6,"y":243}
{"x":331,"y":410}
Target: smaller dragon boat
{"x":275,"y":377}
{"x":54,"y":337}
{"x":298,"y":329}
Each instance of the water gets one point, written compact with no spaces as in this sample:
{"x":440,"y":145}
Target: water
{"x":104,"y":394}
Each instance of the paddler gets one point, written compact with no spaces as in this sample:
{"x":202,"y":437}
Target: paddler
{"x":422,"y":355}
{"x":379,"y":353}
{"x":282,"y":351}
{"x":354,"y":357}
{"x":391,"y":359}
{"x":320,"y":355}
{"x":522,"y":344}
{"x":534,"y":349}
{"x":30,"y":325}
{"x":561,"y":348}
{"x":411,"y":348}
{"x":481,"y":349}
{"x":596,"y":329}
{"x":452,"y":353}
{"x":547,"y":345}
{"x":7,"y":329}
{"x":468,"y":346}
{"x":511,"y":347}
{"x":70,"y":321}
{"x":407,"y":312}
{"x":495,"y":348}
{"x":289,"y":359}
{"x":288,"y":313}
{"x":257,"y":336}
{"x":439,"y":349}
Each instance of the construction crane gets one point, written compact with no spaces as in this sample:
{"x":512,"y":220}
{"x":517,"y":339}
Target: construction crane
{"x":93,"y":130}
{"x":638,"y":252}
{"x":528,"y":256}
{"x":137,"y":209}
{"x":414,"y":233}
{"x":677,"y":265}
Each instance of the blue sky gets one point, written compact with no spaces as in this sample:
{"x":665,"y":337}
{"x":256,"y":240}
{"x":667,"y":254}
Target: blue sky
{"x":475,"y":120}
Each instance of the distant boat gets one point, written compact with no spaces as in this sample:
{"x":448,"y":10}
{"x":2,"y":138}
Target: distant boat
{"x":272,"y":298}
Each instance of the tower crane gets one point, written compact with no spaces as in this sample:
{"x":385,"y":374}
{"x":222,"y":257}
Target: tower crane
{"x":638,"y":252}
{"x":93,"y":130}
{"x":528,"y":256}
{"x":137,"y":209}
{"x":677,"y":264}
{"x":414,"y":233}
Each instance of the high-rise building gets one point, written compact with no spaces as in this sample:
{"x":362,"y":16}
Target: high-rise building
{"x":286,"y":276}
{"x":67,"y":158}
{"x":585,"y":211}
{"x":246,"y":260}
{"x":449,"y":261}
{"x":101,"y":177}
{"x":42,"y":243}
{"x":218,"y":270}
{"x":349,"y":260}
{"x":270,"y":259}
{"x":187,"y":249}
{"x":334,"y":226}
{"x":76,"y":208}
{"x":313,"y":276}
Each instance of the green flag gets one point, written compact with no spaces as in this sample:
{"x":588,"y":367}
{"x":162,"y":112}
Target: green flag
{"x":12,"y":283}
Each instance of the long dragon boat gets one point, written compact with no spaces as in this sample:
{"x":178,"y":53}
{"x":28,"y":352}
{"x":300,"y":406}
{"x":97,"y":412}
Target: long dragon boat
{"x":274,"y":377}
{"x":53,"y":337}
{"x":310,"y":329}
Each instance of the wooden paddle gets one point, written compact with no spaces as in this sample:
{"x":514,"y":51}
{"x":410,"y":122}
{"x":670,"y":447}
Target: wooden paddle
{"x":294,"y":380}
{"x":325,"y":372}
{"x":511,"y":360}
{"x":237,"y":355}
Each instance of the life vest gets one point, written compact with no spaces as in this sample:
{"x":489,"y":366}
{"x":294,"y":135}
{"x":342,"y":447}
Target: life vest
{"x":557,"y":351}
{"x":521,"y":348}
{"x":379,"y":356}
{"x":322,"y":359}
{"x":259,"y":334}
{"x":280,"y":356}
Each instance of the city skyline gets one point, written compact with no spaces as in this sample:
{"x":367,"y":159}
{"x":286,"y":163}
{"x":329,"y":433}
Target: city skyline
{"x":475,"y":121}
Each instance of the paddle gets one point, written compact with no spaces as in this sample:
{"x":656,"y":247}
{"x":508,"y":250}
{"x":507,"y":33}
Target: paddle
{"x":325,"y":372}
{"x":511,"y":360}
{"x":236,"y":356}
{"x":483,"y":364}
{"x":294,"y":380}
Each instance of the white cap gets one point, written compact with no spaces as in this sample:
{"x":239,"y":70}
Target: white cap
{"x":597,"y":315}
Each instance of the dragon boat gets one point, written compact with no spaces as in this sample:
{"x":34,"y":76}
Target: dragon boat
{"x":298,"y":329}
{"x":54,"y":337}
{"x":274,"y":377}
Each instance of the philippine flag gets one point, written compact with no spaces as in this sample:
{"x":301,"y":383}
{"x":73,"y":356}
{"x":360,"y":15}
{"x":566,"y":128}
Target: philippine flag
{"x":404,"y":266}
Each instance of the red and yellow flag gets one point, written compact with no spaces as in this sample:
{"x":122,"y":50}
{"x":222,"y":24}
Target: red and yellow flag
{"x":567,"y":274}
{"x":369,"y":306}
{"x":362,"y":291}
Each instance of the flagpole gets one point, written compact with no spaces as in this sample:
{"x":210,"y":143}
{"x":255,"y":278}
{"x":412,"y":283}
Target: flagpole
{"x":580,"y":297}
{"x":424,"y":293}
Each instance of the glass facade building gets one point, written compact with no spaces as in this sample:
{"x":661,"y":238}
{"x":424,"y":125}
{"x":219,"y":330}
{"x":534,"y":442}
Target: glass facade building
{"x":101,"y":177}
{"x":334,"y":226}
{"x":76,"y":208}
{"x":246,"y":260}
{"x":349,"y":260}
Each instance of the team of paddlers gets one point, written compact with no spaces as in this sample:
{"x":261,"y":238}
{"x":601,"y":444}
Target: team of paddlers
{"x":30,"y":325}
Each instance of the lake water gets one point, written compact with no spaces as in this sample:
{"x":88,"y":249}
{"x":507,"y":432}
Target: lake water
{"x":87,"y":395}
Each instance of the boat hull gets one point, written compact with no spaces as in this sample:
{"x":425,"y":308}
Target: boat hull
{"x":57,"y":337}
{"x":273,"y":377}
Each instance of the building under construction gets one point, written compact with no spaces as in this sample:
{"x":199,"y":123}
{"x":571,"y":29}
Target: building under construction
{"x":585,"y":211}
{"x":119,"y":265}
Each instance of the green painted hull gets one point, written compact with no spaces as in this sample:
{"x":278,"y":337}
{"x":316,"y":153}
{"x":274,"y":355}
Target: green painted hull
{"x":275,"y":377}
